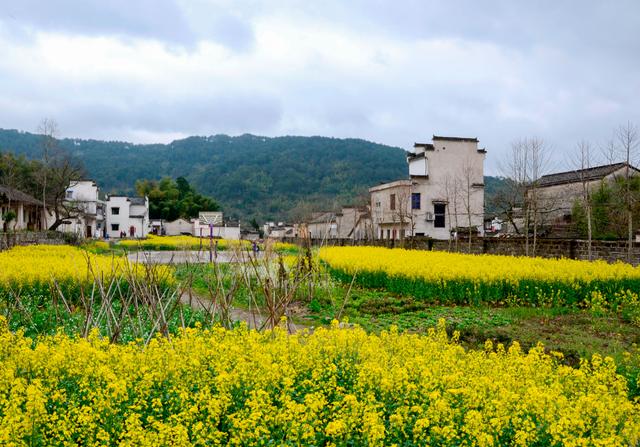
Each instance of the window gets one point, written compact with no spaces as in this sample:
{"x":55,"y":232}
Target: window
{"x":115,"y":227}
{"x":115,"y":210}
{"x":392,"y":202}
{"x":438,"y":215}
{"x":377,"y":204}
{"x":415,"y":201}
{"x":388,"y":234}
{"x":70,"y":194}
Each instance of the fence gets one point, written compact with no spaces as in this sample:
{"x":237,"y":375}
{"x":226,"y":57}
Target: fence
{"x":610,"y":251}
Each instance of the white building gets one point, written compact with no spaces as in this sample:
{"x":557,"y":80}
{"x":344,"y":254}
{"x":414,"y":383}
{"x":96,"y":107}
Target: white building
{"x":208,"y":224}
{"x":82,"y":196}
{"x":219,"y":231}
{"x":444,"y":192}
{"x":128,"y":216}
{"x":178,"y":227}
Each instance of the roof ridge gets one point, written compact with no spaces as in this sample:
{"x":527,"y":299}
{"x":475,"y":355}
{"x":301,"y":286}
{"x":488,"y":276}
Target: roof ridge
{"x":622,"y":163}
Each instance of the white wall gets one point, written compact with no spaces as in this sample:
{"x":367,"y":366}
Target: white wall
{"x":120,"y":220}
{"x":83,"y":194}
{"x":455,"y":177}
{"x":219,"y":231}
{"x":177,"y":227}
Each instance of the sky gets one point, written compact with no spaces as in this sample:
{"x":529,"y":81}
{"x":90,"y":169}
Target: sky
{"x":393,"y":72}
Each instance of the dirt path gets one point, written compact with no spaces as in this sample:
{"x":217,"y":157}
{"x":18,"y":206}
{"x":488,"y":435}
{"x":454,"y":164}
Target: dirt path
{"x":191,"y":256}
{"x":254,"y":318}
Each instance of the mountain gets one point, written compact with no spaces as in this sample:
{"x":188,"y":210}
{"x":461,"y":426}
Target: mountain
{"x":250,"y":176}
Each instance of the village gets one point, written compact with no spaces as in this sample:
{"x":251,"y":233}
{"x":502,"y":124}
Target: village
{"x":339,"y":223}
{"x":442,"y":199}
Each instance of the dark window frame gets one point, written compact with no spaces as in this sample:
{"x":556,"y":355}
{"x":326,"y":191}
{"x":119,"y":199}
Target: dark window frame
{"x":439,"y":215}
{"x":416,"y":198}
{"x":115,"y":210}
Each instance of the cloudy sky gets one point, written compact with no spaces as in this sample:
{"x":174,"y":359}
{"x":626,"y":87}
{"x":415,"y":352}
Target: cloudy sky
{"x":393,"y":72}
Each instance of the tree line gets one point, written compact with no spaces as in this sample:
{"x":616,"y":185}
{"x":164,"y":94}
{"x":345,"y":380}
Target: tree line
{"x":172,"y":199}
{"x":48,"y":175}
{"x":46,"y":178}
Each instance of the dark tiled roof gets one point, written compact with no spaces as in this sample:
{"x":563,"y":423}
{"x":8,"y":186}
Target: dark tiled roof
{"x":470,"y":140}
{"x":137,"y":201}
{"x":19,"y":196}
{"x":590,"y":174}
{"x":412,"y":156}
{"x":426,"y":146}
{"x":324,"y":218}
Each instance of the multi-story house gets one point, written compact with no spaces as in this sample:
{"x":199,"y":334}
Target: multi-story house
{"x":443,"y":194}
{"x":86,"y":209}
{"x":127,"y":216}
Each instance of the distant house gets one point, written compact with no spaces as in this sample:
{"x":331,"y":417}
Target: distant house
{"x":354,"y":222}
{"x":557,"y":193}
{"x":127,"y":216}
{"x":213,"y":224}
{"x":444,"y":192}
{"x":280,"y":230}
{"x":323,"y":226}
{"x":207,"y":224}
{"x":28,"y":211}
{"x":83,"y":197}
{"x":178,"y":227}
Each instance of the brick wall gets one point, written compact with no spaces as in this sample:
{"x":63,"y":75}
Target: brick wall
{"x":610,"y":251}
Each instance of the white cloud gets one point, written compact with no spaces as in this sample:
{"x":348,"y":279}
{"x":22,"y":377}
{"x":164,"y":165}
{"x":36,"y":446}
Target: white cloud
{"x":394,"y":74}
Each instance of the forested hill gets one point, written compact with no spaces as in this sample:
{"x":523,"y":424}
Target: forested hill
{"x":250,"y":176}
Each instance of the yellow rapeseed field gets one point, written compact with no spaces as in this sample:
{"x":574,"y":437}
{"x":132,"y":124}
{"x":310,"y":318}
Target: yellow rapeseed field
{"x":467,"y":278}
{"x":152,"y":242}
{"x":42,"y":263}
{"x":335,"y":387}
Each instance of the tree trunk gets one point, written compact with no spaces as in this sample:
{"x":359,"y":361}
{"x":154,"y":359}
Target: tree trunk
{"x":630,"y":241}
{"x":589,"y":231}
{"x":55,"y":225}
{"x":526,"y":230}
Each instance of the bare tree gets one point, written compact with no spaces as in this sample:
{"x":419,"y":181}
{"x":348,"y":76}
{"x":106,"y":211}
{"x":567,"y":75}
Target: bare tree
{"x":610,"y":152}
{"x":511,"y":199}
{"x":527,"y":162}
{"x":449,"y":191}
{"x":582,"y":160}
{"x":9,"y":175}
{"x":63,"y":170}
{"x":48,"y":129}
{"x":539,"y":160}
{"x":402,"y":212}
{"x":628,"y":139}
{"x":466,"y":195}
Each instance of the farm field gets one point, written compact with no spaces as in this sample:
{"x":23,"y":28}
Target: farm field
{"x":83,"y":335}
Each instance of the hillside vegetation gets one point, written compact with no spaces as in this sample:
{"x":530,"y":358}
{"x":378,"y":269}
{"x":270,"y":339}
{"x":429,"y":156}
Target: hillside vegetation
{"x":250,"y":176}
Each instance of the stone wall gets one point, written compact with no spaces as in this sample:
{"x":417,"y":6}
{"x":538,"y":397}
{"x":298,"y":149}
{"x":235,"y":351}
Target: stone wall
{"x":11,"y":239}
{"x":610,"y":251}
